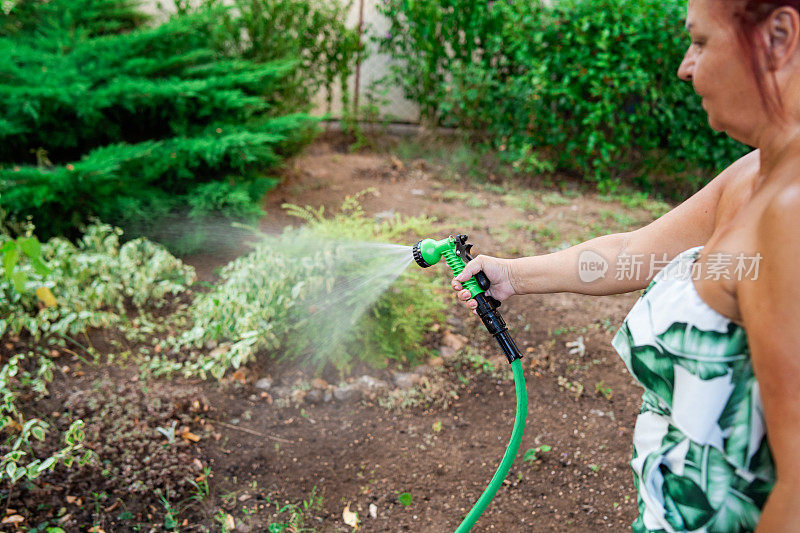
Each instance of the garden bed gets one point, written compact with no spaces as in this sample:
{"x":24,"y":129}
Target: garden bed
{"x":412,"y":455}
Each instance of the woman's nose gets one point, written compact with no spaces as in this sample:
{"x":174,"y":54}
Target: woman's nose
{"x":686,"y":67}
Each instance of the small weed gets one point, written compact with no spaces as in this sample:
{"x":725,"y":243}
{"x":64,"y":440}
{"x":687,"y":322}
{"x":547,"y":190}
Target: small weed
{"x":201,"y":488}
{"x":548,"y":234}
{"x":575,"y":387}
{"x":222,"y":519}
{"x":501,"y":233}
{"x":602,"y":388}
{"x":470,"y":199}
{"x":524,"y":201}
{"x":516,"y":225}
{"x":594,"y":468}
{"x":561,"y":330}
{"x":170,"y":512}
{"x":638,"y":199}
{"x":228,"y":497}
{"x":624,"y":220}
{"x":437,"y":426}
{"x":493,"y":188}
{"x":476,"y":202}
{"x":295,"y":514}
{"x":531,"y":454}
{"x":553,"y":198}
{"x":405,"y":499}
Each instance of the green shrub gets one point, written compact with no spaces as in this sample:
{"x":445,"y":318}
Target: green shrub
{"x":317,"y":294}
{"x":590,"y":84}
{"x":313,"y":32}
{"x":87,"y":284}
{"x":135,"y":126}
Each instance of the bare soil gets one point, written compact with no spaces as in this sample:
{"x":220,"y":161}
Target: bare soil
{"x":355,"y":454}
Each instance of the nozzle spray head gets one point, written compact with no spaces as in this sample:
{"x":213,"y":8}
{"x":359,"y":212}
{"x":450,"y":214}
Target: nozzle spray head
{"x":428,"y":252}
{"x":456,"y":253}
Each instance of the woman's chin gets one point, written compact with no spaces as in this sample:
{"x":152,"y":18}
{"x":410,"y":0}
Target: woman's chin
{"x":714,"y":125}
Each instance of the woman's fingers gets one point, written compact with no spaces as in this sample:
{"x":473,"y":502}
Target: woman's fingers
{"x":471,"y":268}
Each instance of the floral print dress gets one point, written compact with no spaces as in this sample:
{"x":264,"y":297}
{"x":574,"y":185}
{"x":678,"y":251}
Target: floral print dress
{"x":700,"y":456}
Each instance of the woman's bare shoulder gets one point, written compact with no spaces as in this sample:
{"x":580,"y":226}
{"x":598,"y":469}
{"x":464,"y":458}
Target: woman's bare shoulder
{"x":743,"y":170}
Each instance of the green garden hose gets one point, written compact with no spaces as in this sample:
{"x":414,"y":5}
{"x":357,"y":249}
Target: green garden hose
{"x":455,"y":252}
{"x":508,"y":458}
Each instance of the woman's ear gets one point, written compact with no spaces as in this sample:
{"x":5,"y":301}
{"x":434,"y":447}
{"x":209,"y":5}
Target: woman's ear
{"x":782,"y":33}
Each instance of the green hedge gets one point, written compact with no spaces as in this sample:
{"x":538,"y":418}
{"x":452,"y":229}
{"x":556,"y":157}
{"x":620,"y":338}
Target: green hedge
{"x":590,"y":84}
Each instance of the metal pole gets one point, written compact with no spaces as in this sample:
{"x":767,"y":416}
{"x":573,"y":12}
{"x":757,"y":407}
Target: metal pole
{"x":358,"y":63}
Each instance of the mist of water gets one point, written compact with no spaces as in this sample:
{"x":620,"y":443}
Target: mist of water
{"x":358,"y":274}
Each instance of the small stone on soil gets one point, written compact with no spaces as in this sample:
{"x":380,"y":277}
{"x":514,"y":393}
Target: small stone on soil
{"x":347,"y":392}
{"x":264,"y":384}
{"x":406,"y":380}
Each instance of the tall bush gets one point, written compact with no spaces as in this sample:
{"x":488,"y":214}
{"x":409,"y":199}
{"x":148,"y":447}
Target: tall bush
{"x":590,"y":83}
{"x":312,"y":31}
{"x":135,"y":124}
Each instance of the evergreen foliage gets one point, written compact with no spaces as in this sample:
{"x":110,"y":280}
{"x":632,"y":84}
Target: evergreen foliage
{"x":103,"y":116}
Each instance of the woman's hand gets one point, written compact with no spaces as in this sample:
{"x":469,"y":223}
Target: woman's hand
{"x":497,"y":270}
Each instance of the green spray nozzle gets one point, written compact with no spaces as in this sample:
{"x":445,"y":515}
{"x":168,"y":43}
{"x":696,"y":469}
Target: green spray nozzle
{"x":456,"y":253}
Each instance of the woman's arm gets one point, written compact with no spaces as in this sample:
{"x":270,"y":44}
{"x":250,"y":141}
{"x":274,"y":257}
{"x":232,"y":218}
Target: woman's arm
{"x":770,"y":308}
{"x":687,"y":225}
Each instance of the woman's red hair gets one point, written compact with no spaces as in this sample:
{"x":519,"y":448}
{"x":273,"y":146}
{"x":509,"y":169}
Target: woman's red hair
{"x":748,"y":16}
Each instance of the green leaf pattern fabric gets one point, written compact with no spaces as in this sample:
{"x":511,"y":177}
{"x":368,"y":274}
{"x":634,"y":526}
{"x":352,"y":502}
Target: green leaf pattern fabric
{"x":701,"y":461}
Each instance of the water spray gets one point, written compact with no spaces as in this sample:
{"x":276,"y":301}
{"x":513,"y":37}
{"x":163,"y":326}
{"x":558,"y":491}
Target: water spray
{"x":456,"y":253}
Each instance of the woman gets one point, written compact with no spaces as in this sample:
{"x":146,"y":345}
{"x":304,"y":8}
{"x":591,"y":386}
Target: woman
{"x":715,"y":337}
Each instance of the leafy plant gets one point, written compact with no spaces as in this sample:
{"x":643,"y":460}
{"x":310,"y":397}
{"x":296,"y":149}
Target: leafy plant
{"x":532,"y":454}
{"x":605,"y":390}
{"x":23,"y":375}
{"x":86,"y":284}
{"x":15,"y":249}
{"x":319,"y":292}
{"x":405,"y":499}
{"x":315,"y":33}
